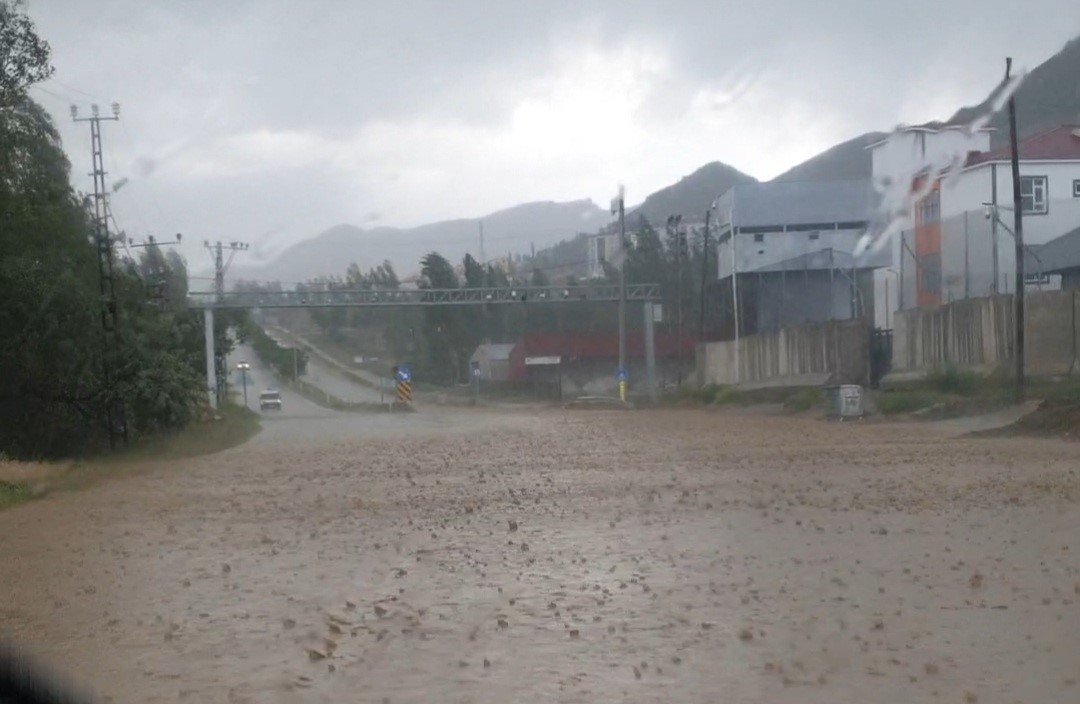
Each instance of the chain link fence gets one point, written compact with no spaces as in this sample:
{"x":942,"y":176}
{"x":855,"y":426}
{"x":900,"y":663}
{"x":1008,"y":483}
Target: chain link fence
{"x":973,"y":254}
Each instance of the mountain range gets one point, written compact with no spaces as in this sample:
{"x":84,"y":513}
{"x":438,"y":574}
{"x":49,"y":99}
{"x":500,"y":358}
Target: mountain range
{"x":1050,"y":95}
{"x":521,"y":227}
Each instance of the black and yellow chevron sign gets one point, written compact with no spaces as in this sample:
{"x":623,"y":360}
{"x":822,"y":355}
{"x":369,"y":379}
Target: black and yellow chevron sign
{"x":404,"y":392}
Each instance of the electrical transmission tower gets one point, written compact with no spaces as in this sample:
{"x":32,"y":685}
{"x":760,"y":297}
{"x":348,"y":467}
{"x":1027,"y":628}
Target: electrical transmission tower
{"x":115,"y":416}
{"x":221,"y":265}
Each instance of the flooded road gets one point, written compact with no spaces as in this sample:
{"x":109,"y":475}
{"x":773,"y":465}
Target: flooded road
{"x":592,"y":556}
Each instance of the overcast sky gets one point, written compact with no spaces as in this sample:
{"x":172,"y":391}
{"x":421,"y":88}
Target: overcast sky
{"x":271,"y":120}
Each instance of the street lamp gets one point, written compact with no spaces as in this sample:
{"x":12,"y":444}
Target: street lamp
{"x":244,"y":367}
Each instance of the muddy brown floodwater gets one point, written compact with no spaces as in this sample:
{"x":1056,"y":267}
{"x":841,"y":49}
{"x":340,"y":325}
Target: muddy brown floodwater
{"x":589,"y":556}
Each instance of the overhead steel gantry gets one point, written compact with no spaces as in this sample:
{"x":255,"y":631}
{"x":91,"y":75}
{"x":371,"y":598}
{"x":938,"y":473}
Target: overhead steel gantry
{"x":647,"y":294}
{"x":369,"y":298}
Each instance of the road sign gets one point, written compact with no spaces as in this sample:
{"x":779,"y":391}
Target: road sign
{"x":476,"y":372}
{"x":621,"y":374}
{"x":403,"y":373}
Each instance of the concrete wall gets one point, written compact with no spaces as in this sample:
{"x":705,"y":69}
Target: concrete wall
{"x":978,"y":334}
{"x":832,"y":352}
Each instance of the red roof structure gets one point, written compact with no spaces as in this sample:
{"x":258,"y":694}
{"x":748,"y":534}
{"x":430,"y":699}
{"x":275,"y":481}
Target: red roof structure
{"x":594,"y":346}
{"x":1059,"y":144}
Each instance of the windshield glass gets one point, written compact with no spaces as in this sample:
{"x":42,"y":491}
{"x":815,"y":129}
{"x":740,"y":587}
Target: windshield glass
{"x":683,"y":351}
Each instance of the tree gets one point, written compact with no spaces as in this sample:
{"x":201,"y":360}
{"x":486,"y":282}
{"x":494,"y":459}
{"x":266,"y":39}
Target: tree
{"x":54,"y":390}
{"x":645,"y":261}
{"x":24,"y":56}
{"x":444,"y":329}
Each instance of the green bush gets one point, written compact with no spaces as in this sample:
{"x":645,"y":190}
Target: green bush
{"x":13,"y":492}
{"x":706,"y":393}
{"x":803,"y":399}
{"x":953,"y":380}
{"x":894,"y":402}
{"x":281,"y":359}
{"x":723,"y":395}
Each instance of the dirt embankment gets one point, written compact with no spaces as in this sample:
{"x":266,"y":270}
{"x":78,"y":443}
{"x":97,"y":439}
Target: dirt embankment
{"x":1055,"y":417}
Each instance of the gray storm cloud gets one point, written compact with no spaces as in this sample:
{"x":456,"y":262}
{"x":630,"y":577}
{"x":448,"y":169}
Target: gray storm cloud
{"x":291,"y":117}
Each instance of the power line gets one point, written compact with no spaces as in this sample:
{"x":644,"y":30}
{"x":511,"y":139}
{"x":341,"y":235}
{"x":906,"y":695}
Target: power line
{"x":66,"y":99}
{"x":73,"y":88}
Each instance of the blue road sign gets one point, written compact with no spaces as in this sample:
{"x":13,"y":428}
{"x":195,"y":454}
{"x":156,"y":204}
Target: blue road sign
{"x":621,"y":374}
{"x":403,"y":373}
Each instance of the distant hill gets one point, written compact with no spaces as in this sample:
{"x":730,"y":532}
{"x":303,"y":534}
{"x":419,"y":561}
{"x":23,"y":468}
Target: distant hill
{"x":1048,"y":97}
{"x":691,"y":195}
{"x":514,"y":229}
{"x":847,"y":160}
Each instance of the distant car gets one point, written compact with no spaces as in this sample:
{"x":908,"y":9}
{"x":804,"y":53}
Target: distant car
{"x":270,"y":400}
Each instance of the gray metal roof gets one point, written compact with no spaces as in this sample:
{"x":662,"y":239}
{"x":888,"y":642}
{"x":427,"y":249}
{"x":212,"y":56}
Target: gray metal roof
{"x":826,"y":258}
{"x":499,"y":351}
{"x":1055,"y":256}
{"x":802,"y":203}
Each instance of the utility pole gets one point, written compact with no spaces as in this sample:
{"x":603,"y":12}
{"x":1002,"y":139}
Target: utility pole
{"x":993,"y":229}
{"x":221,"y":265}
{"x":674,"y":223}
{"x":216,"y":372}
{"x":1018,"y":224}
{"x":735,"y":292}
{"x":114,"y":407}
{"x":483,"y":258}
{"x":619,"y":206}
{"x":704,"y":273}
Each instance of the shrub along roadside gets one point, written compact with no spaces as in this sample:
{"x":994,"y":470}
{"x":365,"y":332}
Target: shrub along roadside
{"x":792,"y":398}
{"x":287,"y":362}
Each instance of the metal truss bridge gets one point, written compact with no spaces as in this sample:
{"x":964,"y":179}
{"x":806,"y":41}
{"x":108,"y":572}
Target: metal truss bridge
{"x":381,"y":298}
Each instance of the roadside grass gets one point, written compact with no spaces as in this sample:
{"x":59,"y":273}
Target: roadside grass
{"x":796,"y":399}
{"x":899,"y":401}
{"x":14,"y":492}
{"x":803,"y":399}
{"x":232,"y":425}
{"x":1058,"y":415}
{"x":24,"y":481}
{"x":951,"y":393}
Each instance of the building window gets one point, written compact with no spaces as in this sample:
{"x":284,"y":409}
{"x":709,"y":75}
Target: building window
{"x":930,"y":208}
{"x":1076,"y":188}
{"x":759,"y":237}
{"x":929,"y":273}
{"x":1033,"y":195}
{"x":814,"y":235}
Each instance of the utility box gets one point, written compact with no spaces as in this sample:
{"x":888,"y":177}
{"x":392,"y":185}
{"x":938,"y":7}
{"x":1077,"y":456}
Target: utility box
{"x":844,"y":401}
